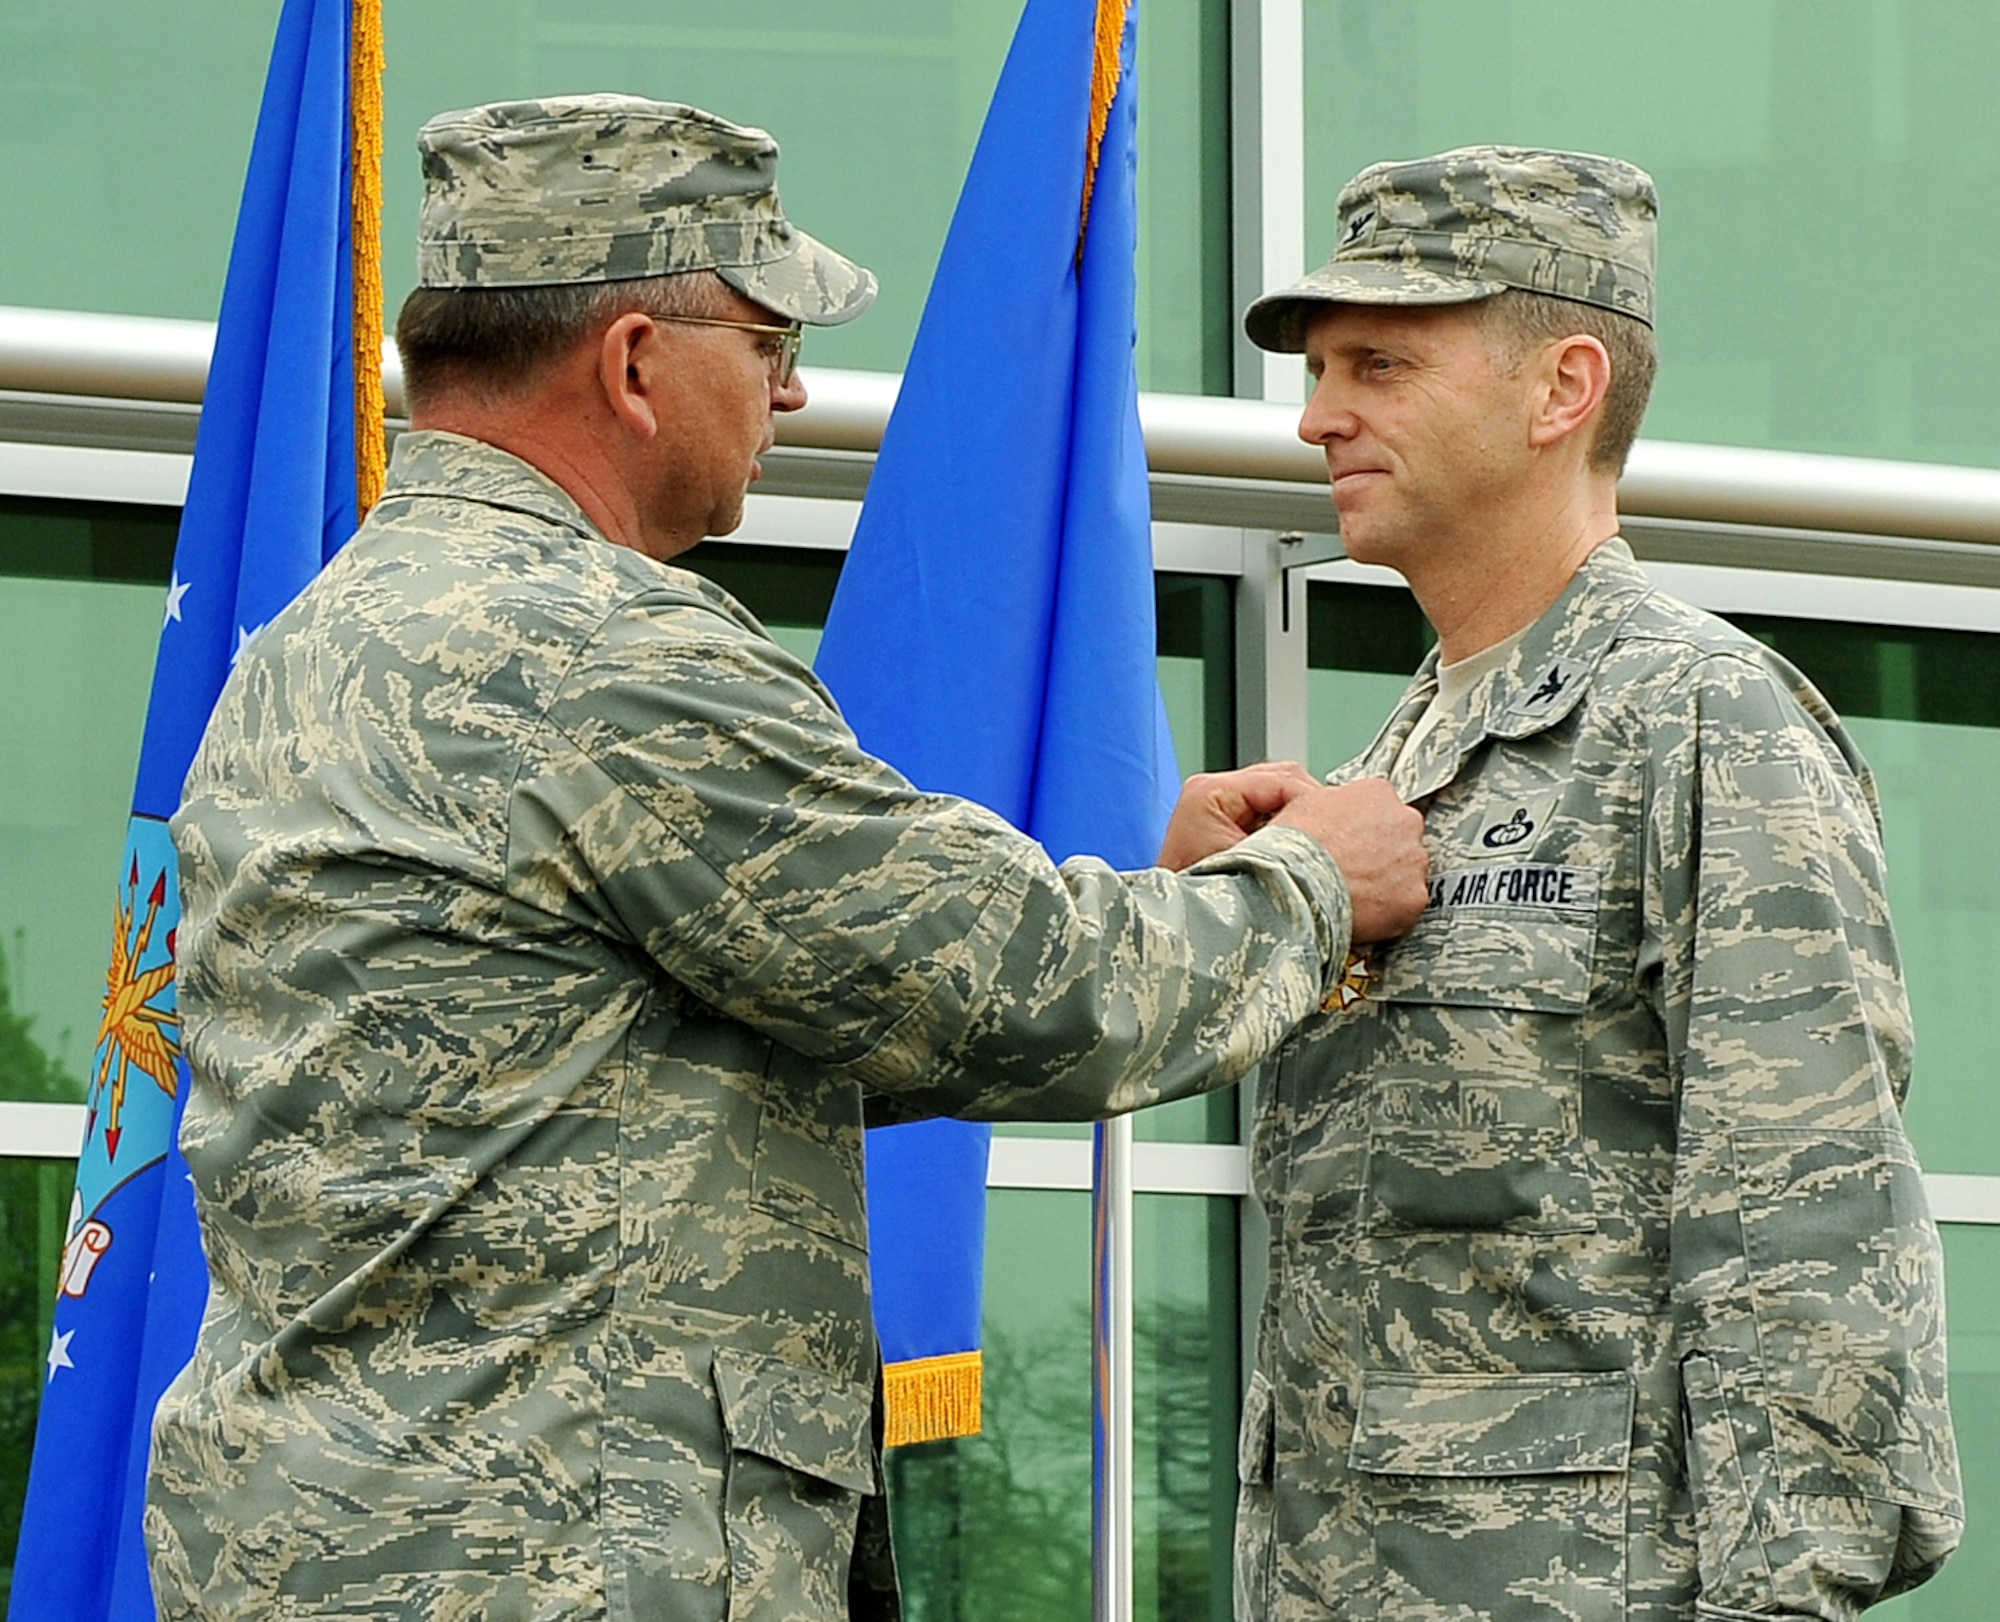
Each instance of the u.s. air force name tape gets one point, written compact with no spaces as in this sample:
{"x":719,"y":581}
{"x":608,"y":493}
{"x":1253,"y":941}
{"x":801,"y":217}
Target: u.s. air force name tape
{"x":1516,"y":884}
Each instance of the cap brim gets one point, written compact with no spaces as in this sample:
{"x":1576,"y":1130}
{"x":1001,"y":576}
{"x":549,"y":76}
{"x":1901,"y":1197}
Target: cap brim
{"x":1277,"y":321}
{"x":811,"y":284}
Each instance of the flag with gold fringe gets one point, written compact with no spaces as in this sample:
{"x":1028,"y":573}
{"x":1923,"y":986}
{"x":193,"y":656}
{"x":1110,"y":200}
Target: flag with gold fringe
{"x":993,"y":631}
{"x":289,"y":454}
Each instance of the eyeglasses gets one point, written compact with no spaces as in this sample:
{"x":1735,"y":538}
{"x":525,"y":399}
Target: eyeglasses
{"x":784,"y":364}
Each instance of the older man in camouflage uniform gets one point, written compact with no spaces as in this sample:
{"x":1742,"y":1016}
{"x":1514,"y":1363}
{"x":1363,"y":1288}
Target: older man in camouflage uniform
{"x":1602,"y":1284}
{"x":545,"y":929}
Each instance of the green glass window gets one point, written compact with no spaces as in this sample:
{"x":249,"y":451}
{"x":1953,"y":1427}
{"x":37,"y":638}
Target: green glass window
{"x":81,"y":592}
{"x":1362,"y":643}
{"x":996,"y":1528}
{"x":877,"y":104}
{"x":1824,"y":277}
{"x":82,"y":588}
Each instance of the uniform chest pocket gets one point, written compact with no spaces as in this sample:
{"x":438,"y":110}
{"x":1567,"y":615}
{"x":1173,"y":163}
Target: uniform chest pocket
{"x":808,"y":1167}
{"x":1476,"y":1102}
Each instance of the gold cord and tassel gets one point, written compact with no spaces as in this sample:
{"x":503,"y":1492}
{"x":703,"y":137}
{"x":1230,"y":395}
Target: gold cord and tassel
{"x":1106,"y":69}
{"x":931,"y":1398}
{"x":365,"y":160}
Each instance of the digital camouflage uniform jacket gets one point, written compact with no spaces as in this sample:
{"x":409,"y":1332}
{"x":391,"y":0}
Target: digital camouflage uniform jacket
{"x":1602,"y":1283}
{"x":544,"y":930}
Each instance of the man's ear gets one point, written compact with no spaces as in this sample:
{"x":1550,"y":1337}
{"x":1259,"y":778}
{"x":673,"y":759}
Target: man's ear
{"x":630,"y":374}
{"x":1575,"y":375}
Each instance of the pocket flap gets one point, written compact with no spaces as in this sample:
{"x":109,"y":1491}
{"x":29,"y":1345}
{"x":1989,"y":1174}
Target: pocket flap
{"x":1525,"y":958}
{"x":805,"y":1419}
{"x":1493,"y":1424}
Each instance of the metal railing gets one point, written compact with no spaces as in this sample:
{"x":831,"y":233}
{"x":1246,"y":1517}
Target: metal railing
{"x":1241,"y":445}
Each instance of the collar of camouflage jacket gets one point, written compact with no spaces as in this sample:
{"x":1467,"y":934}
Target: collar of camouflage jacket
{"x":1554,"y":664}
{"x":1535,"y":689}
{"x":429,"y":462}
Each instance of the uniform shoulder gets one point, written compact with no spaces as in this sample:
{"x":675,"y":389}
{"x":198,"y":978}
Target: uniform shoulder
{"x":1683,"y":664}
{"x":431,"y":541}
{"x":686,"y":640}
{"x":1665,"y":627}
{"x":683,"y":606}
{"x":1666,"y":644}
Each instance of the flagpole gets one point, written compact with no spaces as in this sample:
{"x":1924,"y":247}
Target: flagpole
{"x":1111,"y":1367}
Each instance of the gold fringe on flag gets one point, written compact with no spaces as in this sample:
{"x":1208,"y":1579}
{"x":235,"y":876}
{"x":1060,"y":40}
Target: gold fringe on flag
{"x":364,"y":100}
{"x":1106,"y":67}
{"x":931,"y":1398}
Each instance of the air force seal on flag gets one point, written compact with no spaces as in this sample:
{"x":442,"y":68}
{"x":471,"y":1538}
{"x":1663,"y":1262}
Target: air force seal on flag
{"x":135,"y":1070}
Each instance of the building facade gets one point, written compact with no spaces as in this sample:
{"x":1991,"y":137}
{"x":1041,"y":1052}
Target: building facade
{"x":1826,"y":261}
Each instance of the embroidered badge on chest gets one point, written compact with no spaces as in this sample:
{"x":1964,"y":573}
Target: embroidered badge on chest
{"x":1516,"y":830}
{"x":1511,"y":828}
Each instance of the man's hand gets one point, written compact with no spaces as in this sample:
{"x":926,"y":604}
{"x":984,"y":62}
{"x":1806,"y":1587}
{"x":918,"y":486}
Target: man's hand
{"x":1378,"y":843}
{"x":1216,"y":809}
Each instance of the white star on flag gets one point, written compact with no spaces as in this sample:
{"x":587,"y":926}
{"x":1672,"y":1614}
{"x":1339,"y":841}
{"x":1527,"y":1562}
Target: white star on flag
{"x":59,"y":1353}
{"x":177,"y":588}
{"x":242,"y":641}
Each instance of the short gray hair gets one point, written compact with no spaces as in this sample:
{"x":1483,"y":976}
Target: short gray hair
{"x":494,"y":339}
{"x":1517,"y":322}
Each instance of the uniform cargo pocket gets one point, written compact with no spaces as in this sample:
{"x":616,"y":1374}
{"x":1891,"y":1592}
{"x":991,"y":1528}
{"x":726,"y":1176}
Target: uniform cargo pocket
{"x":1492,"y":1424}
{"x":1497,"y":1495}
{"x":801,"y":1455}
{"x":1477,"y":1114}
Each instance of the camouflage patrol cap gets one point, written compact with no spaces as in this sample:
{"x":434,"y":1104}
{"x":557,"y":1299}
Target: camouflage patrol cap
{"x":608,"y":188}
{"x":1473,"y":222}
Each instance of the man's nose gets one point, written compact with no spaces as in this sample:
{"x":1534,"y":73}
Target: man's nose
{"x":1326,"y":416}
{"x":789,"y":396}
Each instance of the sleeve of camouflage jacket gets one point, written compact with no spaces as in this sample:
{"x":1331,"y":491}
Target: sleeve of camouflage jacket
{"x":1807,"y":1275}
{"x":695,"y":789}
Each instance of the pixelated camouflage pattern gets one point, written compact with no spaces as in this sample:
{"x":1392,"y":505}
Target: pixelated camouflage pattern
{"x":1473,"y":222}
{"x":1602,"y":1284}
{"x":608,"y":188}
{"x":547,"y":936}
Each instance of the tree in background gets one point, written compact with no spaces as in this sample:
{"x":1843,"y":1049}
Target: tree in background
{"x":34,"y":1196}
{"x":996,"y":1527}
